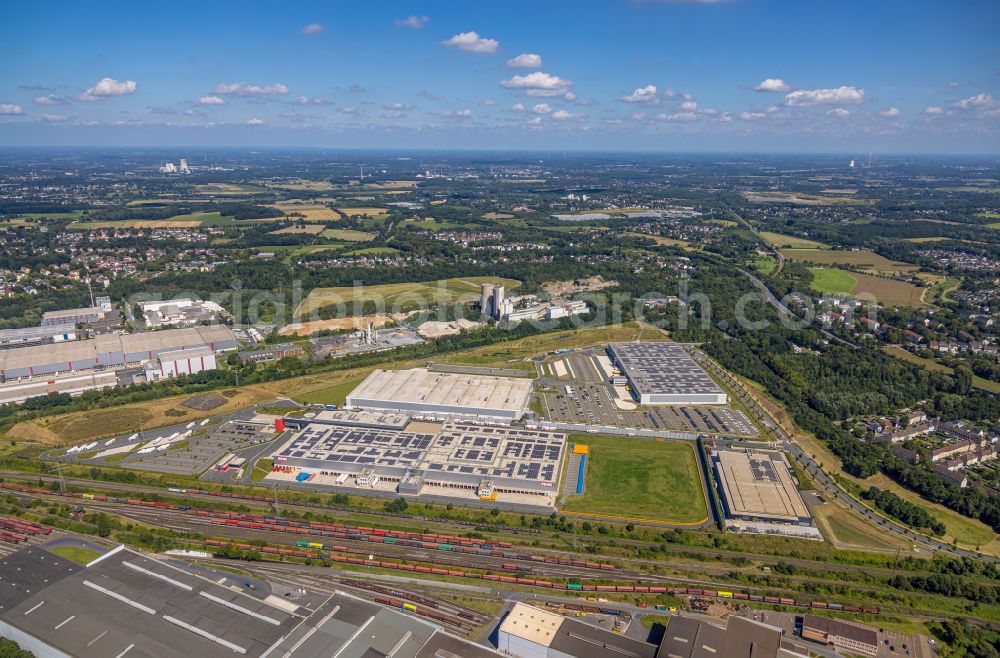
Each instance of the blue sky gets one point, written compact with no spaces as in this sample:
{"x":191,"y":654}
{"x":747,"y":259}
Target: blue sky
{"x":670,"y":75}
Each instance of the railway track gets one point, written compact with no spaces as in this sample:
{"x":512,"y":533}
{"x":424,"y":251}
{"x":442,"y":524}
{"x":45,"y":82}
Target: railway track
{"x":456,"y":526}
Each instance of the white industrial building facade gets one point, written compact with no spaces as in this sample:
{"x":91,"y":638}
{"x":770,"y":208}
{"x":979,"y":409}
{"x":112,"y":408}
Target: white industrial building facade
{"x":420,"y":391}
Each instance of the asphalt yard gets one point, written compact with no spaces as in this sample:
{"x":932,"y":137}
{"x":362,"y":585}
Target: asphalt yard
{"x":594,"y":404}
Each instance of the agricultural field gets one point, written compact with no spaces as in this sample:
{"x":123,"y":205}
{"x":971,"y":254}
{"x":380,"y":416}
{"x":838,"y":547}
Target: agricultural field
{"x":801,"y":198}
{"x":363,"y":211}
{"x":497,"y":215}
{"x":373,"y":251}
{"x":866,"y":260}
{"x":227,"y":188}
{"x":309,"y":229}
{"x":779,"y":241}
{"x":431,"y":224}
{"x":833,"y":281}
{"x":396,"y":294}
{"x":661,"y":478}
{"x":926,"y":240}
{"x":393,"y":185}
{"x":189,"y":220}
{"x":668,"y":242}
{"x":303,"y":185}
{"x":309,"y":212}
{"x":348,"y":235}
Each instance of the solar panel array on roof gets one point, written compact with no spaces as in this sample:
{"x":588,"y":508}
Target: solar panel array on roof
{"x":665,"y":373}
{"x":460,"y":448}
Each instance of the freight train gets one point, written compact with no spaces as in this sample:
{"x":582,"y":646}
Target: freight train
{"x":429,"y":541}
{"x":534,"y":582}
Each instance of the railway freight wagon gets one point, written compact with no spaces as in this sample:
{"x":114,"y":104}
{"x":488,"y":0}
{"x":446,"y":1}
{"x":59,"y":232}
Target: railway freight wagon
{"x":365,"y":533}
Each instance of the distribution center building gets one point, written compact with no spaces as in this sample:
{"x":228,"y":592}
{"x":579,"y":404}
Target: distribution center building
{"x":457,"y":458}
{"x":110,"y":351}
{"x":419,"y":390}
{"x":663,"y":373}
{"x":758,"y":486}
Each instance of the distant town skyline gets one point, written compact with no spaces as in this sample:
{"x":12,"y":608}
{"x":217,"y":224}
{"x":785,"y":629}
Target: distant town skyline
{"x":618,"y":75}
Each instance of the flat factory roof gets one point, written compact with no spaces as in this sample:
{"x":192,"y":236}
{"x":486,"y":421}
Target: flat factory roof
{"x":570,"y":636}
{"x":419,"y":386}
{"x":82,"y":350}
{"x":130,"y":605}
{"x":759,"y":484}
{"x":662,"y":369}
{"x":458,"y":451}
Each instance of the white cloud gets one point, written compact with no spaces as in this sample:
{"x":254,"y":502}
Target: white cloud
{"x":689,"y":106}
{"x":839,"y":112}
{"x":537,"y":121}
{"x":487,"y":102}
{"x":457,"y":114}
{"x":539,"y":84}
{"x":838,"y":96}
{"x":313,"y":28}
{"x":953,"y":84}
{"x":645,"y":94}
{"x":772,"y":85}
{"x":981,"y":101}
{"x":107,"y":88}
{"x":305,"y":100}
{"x":473,"y":43}
{"x":517,"y":107}
{"x":244,"y":89}
{"x":563,"y":115}
{"x":569,"y":96}
{"x":890,"y":113}
{"x":54,"y":118}
{"x":256,"y":122}
{"x":680,"y":117}
{"x":542,"y":108}
{"x":752,"y":116}
{"x":211,"y":100}
{"x":49,"y":99}
{"x":395,"y":107}
{"x":349,"y":110}
{"x":525,"y":61}
{"x":934,"y":109}
{"x":416,"y":22}
{"x":10,"y":108}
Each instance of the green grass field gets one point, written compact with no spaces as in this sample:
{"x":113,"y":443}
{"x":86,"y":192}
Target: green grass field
{"x":640,"y":479}
{"x":779,"y":241}
{"x":373,"y":251}
{"x":427,"y":292}
{"x":346,"y":234}
{"x":73,"y":214}
{"x":866,"y":260}
{"x":832,"y":281}
{"x":336,"y":394}
{"x":764,"y":264}
{"x":76,"y":554}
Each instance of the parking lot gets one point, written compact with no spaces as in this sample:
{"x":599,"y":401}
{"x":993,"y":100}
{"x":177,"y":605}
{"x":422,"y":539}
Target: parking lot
{"x":594,"y":404}
{"x":203,"y":445}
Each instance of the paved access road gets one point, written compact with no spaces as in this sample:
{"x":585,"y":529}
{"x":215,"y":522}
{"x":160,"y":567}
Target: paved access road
{"x":830,"y":487}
